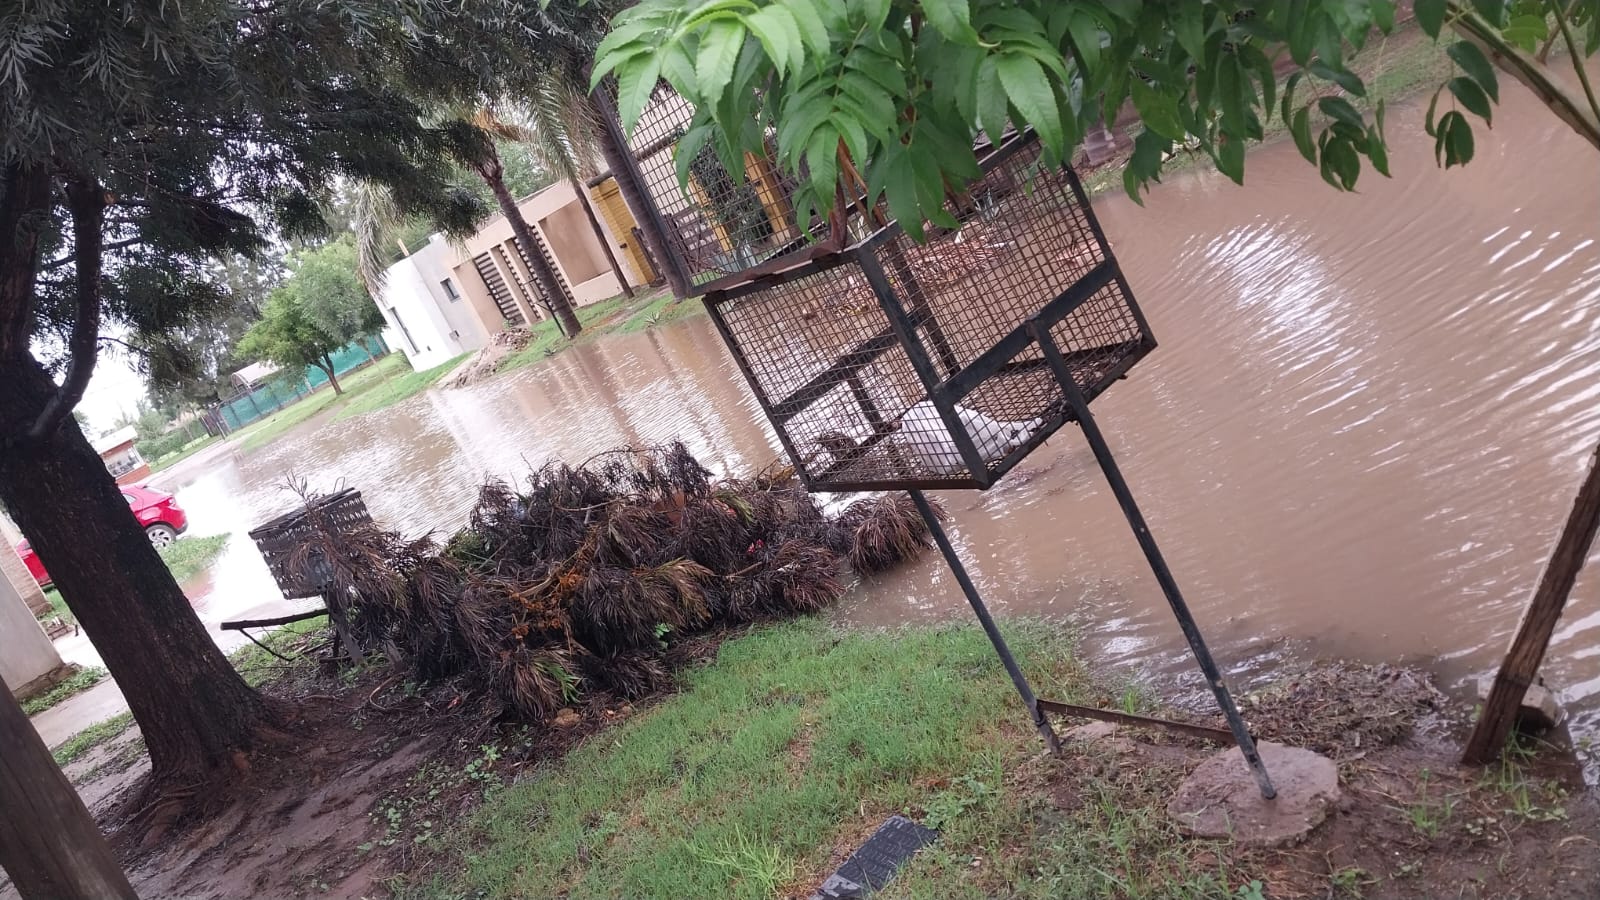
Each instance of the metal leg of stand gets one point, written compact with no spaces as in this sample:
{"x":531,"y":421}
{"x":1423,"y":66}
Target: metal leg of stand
{"x":1158,"y":563}
{"x":987,"y":621}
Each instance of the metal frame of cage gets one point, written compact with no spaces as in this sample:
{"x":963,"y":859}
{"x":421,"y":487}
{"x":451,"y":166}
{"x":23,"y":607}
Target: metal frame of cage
{"x":1035,"y":334}
{"x":948,"y":369}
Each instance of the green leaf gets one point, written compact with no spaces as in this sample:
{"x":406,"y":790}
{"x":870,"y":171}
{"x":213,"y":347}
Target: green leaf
{"x":1340,"y":109}
{"x":1029,"y":90}
{"x":678,"y":69}
{"x":812,"y":30}
{"x":1230,"y":157}
{"x":688,"y":148}
{"x":952,"y":18}
{"x":1492,"y":10}
{"x":1344,"y":78}
{"x":636,"y":79}
{"x":1526,"y":32}
{"x":1288,"y":95}
{"x":1383,"y":15}
{"x":1457,"y":134}
{"x":1086,"y":37}
{"x":822,"y":163}
{"x":1377,"y":149}
{"x":1428,"y":124}
{"x":992,"y":101}
{"x":1158,"y":111}
{"x":1300,"y":129}
{"x":779,"y":35}
{"x":719,"y":53}
{"x":1477,"y":66}
{"x":1472,"y":97}
{"x":1188,"y":26}
{"x":1430,"y":15}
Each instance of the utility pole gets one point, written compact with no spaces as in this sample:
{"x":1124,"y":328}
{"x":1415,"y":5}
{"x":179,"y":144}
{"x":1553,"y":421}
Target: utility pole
{"x":49,"y":844}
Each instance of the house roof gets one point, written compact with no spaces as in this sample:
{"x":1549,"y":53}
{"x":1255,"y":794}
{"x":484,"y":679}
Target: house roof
{"x":112,"y":440}
{"x":254,"y":374}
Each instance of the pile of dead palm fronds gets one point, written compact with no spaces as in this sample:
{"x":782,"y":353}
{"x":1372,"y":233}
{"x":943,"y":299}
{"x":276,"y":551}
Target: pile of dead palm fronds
{"x":585,"y":577}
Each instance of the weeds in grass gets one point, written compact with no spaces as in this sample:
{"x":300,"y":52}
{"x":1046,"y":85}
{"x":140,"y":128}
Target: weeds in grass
{"x":86,"y":740}
{"x":1429,"y":816}
{"x":81,"y":681}
{"x":755,"y":869}
{"x":1351,"y":881}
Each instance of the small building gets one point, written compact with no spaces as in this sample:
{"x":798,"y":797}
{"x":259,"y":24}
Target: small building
{"x":447,"y":299}
{"x":253,"y":376}
{"x":122,"y":457}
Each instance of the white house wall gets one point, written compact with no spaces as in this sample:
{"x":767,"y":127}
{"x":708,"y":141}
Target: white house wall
{"x":417,"y":326}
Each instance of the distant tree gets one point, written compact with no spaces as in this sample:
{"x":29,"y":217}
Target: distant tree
{"x":336,"y":302}
{"x":290,"y":337}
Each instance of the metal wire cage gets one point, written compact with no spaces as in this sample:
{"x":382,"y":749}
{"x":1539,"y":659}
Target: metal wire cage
{"x":892,"y":365}
{"x":281,"y":537}
{"x":720,"y":227}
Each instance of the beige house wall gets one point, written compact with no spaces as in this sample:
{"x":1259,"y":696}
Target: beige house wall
{"x":28,"y":661}
{"x":558,"y":216}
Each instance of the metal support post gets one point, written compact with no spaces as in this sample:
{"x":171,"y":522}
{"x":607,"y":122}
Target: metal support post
{"x":987,"y":621}
{"x":1158,"y":563}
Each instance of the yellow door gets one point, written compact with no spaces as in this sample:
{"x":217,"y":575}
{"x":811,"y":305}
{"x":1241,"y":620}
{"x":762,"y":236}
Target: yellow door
{"x":608,"y":198}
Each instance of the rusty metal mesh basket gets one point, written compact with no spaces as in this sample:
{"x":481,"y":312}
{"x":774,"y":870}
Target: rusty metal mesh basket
{"x":891,"y":364}
{"x":718,"y":226}
{"x":280,"y":538}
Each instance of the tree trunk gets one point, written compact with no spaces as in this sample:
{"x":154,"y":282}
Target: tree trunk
{"x":555,"y":299}
{"x":614,"y":147}
{"x":600,"y":233}
{"x":195,"y":712}
{"x":333,"y":380}
{"x":1526,"y":653}
{"x":49,"y":844}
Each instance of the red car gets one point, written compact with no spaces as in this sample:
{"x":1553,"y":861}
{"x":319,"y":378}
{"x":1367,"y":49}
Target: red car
{"x":157,"y":511}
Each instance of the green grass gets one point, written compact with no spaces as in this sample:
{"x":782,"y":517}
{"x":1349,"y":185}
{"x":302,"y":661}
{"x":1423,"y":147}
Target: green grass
{"x":81,"y":681}
{"x":190,"y":449}
{"x":189,"y":557}
{"x":58,"y":607}
{"x":92,"y":737}
{"x":396,"y":389}
{"x":264,"y":431}
{"x":797,"y":739}
{"x":617,"y":315}
{"x":258,"y":666}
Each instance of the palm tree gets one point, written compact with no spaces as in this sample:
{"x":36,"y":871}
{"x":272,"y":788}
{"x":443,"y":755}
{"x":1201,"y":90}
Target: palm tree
{"x":557,"y":299}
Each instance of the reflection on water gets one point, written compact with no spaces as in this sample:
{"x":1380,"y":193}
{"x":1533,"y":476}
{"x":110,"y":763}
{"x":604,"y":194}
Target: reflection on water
{"x":1362,"y":429}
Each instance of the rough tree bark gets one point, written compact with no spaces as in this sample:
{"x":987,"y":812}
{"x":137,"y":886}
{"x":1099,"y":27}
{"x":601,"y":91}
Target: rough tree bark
{"x":613,"y":146}
{"x":195,"y":712}
{"x":555,"y":296}
{"x":49,"y":844}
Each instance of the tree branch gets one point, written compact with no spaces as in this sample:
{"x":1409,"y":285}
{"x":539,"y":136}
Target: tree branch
{"x":1524,"y":68}
{"x":87,"y":203}
{"x":1577,"y":59}
{"x":54,"y":264}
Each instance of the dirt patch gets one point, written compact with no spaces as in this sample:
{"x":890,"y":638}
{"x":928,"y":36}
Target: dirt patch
{"x":486,"y":361}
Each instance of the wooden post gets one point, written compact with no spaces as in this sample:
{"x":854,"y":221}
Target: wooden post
{"x":769,"y":188}
{"x":1523,"y":659}
{"x":49,"y":844}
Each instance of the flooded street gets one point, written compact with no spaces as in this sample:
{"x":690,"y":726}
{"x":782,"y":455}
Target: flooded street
{"x":1360,"y":435}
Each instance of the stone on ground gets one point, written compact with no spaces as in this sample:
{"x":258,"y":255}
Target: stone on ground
{"x":1220,"y":798}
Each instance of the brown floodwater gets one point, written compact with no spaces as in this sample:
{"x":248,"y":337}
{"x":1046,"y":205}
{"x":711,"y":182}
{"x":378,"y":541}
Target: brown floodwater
{"x":1359,"y":437}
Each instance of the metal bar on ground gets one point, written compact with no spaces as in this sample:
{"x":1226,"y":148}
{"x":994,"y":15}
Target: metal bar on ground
{"x":1158,"y":563}
{"x":987,"y":621}
{"x":1220,"y":735}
